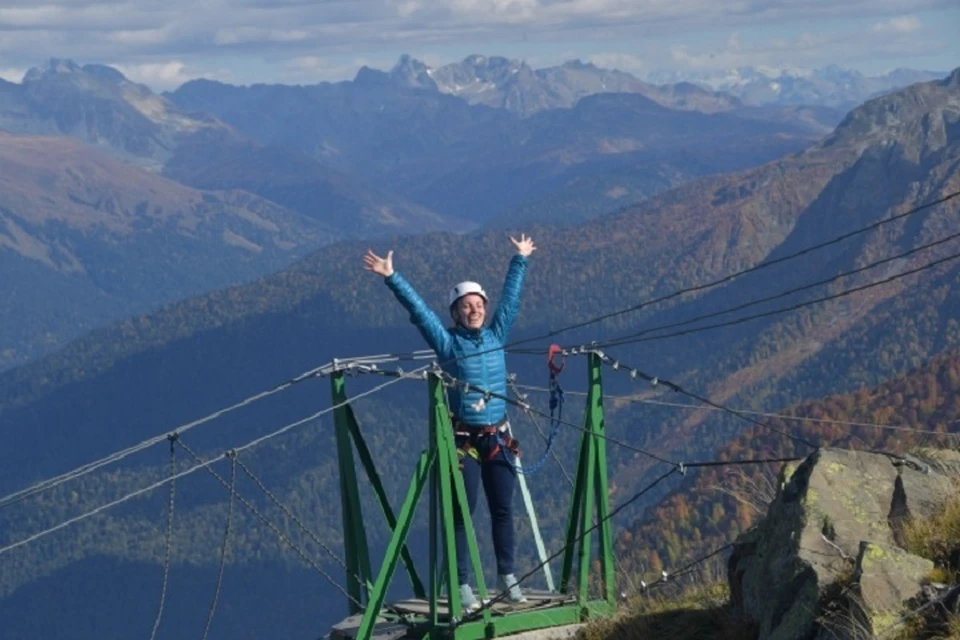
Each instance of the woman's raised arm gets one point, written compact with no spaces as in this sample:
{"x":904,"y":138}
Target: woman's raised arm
{"x":422,"y":317}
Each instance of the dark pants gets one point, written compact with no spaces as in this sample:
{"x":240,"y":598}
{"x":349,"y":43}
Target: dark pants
{"x":499,"y":479}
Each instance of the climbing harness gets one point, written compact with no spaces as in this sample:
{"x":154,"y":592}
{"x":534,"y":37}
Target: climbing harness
{"x":484,"y":442}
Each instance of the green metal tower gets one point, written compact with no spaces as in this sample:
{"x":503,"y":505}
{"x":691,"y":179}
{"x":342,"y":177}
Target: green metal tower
{"x":429,"y":614}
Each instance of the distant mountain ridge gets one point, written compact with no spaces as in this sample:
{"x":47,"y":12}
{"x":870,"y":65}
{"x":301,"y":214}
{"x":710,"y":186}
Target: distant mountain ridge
{"x":513,"y":85}
{"x":116,"y":201}
{"x":98,"y":105}
{"x":362,"y":159}
{"x":386,"y":129}
{"x":86,"y":239}
{"x":480,"y":162}
{"x":830,"y":86}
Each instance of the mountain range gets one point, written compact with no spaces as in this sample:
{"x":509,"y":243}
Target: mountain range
{"x":92,"y":235}
{"x":890,"y":154}
{"x":737,"y":191}
{"x":86,"y":239}
{"x":830,"y":86}
{"x":144,"y":375}
{"x":514,"y":85}
{"x":99,"y":106}
{"x":479,"y":162}
{"x":381,"y":154}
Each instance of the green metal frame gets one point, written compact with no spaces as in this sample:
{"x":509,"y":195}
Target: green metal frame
{"x":359,"y":575}
{"x":438,"y":470}
{"x":591,"y":488}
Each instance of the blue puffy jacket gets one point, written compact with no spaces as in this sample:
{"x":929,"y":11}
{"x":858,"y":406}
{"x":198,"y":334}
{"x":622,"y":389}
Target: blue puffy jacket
{"x":454,"y":346}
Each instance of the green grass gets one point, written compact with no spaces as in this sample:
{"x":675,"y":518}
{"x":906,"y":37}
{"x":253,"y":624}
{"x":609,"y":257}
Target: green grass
{"x":699,"y":611}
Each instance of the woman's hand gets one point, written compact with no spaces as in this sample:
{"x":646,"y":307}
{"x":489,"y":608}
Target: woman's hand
{"x":524,"y":245}
{"x":380,"y":266}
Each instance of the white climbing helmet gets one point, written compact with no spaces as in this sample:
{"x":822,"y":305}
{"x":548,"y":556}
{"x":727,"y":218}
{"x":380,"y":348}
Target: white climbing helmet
{"x":466,"y":288}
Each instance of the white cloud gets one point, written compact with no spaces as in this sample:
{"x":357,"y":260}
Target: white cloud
{"x":407,"y":8}
{"x":899,"y":24}
{"x":498,"y":11}
{"x":266,"y":31}
{"x":243,"y":35}
{"x":313,"y":69}
{"x":12,"y":75}
{"x":212,"y":23}
{"x":627,"y":62}
{"x":161,"y":76}
{"x":89,"y":16}
{"x":431,"y":59}
{"x":140,"y":37}
{"x":30,"y":16}
{"x":804,"y":50}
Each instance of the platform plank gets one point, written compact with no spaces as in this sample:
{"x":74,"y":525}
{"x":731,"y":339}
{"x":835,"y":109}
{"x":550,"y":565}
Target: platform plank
{"x":382,"y":630}
{"x":535,"y":599}
{"x":418,"y":607}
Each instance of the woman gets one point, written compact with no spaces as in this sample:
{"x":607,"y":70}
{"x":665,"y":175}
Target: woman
{"x":473,"y":353}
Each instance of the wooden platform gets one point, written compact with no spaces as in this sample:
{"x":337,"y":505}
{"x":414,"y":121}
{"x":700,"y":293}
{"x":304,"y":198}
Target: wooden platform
{"x":419,"y":608}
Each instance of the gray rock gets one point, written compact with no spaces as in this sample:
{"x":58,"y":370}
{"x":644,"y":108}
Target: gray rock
{"x":810,"y":540}
{"x":927,"y":479}
{"x":885,"y":578}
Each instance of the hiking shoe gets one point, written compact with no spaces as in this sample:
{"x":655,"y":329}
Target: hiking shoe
{"x":509,"y":584}
{"x":468,"y":601}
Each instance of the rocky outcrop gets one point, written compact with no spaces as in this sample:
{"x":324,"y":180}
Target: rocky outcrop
{"x":836,"y":526}
{"x":883,"y":579}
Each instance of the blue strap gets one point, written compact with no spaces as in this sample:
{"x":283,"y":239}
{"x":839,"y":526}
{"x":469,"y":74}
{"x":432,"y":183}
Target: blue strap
{"x":556,"y":405}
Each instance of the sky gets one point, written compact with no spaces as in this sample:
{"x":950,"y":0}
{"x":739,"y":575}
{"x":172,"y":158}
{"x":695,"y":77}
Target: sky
{"x":164,"y":43}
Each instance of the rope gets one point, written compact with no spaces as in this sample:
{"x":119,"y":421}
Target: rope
{"x":280,"y":534}
{"x":766,"y":414}
{"x":286,"y":510}
{"x":45,"y":485}
{"x":101,"y":508}
{"x":742,"y":272}
{"x":223,"y":547}
{"x":665,"y":576}
{"x":53,"y":482}
{"x":636,"y":373}
{"x":200,"y":465}
{"x":729,"y":323}
{"x":733,"y":463}
{"x":448,"y":379}
{"x":489,"y":603}
{"x":419,"y":372}
{"x":511,"y":380}
{"x":788,"y":292}
{"x":556,"y":406}
{"x":168,"y":547}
